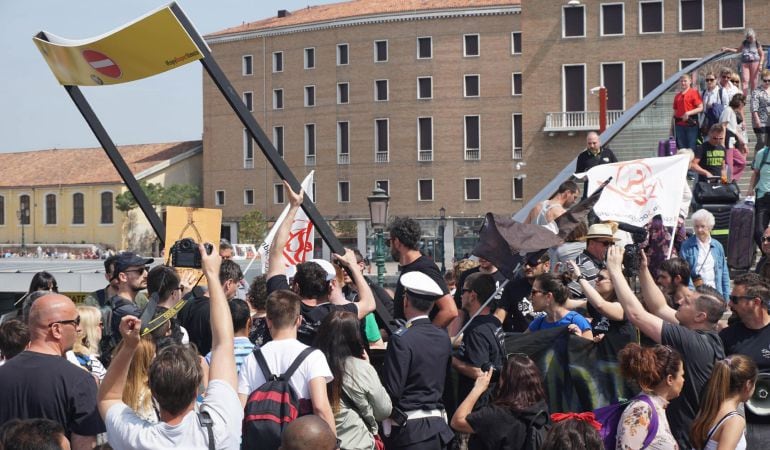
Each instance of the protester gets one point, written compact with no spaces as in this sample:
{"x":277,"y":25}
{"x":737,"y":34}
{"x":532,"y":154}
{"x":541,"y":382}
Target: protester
{"x":719,"y":423}
{"x":514,"y":309}
{"x":602,"y":306}
{"x":549,"y":294}
{"x":136,"y":393}
{"x":706,"y":256}
{"x":600,"y":237}
{"x":14,"y":338}
{"x":257,"y":300}
{"x":546,"y":212}
{"x":308,"y":433}
{"x":573,"y":431}
{"x":242,"y":346}
{"x":85,"y":351}
{"x":33,"y":434}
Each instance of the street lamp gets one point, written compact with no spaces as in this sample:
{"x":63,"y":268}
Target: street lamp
{"x":22,"y":214}
{"x":441,"y":228}
{"x":378,"y":214}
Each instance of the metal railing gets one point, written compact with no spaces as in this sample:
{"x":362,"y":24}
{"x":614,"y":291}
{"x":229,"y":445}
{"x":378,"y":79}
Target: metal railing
{"x":577,"y":120}
{"x":425,"y":155}
{"x":310,"y":160}
{"x":381,"y":157}
{"x":248,"y":163}
{"x":343,"y":158}
{"x":472,"y":154}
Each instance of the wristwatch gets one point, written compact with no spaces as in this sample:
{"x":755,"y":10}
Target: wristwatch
{"x":580,"y":277}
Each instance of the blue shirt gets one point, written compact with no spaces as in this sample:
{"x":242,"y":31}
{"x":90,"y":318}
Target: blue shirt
{"x":572,"y":317}
{"x":242,"y":347}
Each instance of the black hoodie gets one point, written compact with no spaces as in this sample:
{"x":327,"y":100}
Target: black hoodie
{"x":499,"y":428}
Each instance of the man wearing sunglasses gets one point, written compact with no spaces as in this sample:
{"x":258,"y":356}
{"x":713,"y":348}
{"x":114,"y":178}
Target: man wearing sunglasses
{"x":599,"y":238}
{"x":40,"y":383}
{"x":763,"y":267}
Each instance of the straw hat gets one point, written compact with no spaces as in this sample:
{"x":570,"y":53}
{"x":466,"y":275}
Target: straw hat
{"x":600,"y":231}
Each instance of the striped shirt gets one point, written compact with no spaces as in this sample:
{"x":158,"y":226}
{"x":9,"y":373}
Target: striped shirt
{"x":242,"y":347}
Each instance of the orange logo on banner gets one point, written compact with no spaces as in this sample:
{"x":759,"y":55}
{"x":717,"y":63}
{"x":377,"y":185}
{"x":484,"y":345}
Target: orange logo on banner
{"x":298,"y":245}
{"x":634,"y":182}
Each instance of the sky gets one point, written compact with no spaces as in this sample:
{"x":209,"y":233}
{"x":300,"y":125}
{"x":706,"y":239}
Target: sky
{"x":35,"y":111}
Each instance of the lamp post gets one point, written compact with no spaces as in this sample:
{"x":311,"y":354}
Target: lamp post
{"x":378,"y":214}
{"x":22,"y":214}
{"x":441,"y":228}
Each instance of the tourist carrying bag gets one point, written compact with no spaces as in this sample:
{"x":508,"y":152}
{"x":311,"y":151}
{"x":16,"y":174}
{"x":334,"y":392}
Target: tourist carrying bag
{"x":707,"y":193}
{"x":609,"y":417}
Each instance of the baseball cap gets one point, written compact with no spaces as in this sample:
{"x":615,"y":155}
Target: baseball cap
{"x":129,"y":259}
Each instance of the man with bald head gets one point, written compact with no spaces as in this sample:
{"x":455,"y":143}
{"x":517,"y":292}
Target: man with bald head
{"x":40,"y":383}
{"x":594,"y":155}
{"x":308,"y":433}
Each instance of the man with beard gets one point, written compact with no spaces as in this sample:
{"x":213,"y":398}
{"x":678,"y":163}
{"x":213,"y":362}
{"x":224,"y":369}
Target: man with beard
{"x":546,"y":212}
{"x":484,"y":267}
{"x":599,"y":238}
{"x":514,"y":307}
{"x":673,"y":279}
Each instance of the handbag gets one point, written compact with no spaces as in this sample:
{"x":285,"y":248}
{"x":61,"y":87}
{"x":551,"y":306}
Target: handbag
{"x":707,"y":193}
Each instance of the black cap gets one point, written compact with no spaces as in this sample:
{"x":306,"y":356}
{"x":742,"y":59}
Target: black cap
{"x":129,"y":259}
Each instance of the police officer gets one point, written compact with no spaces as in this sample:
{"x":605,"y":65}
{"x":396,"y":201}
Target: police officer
{"x":416,"y":365}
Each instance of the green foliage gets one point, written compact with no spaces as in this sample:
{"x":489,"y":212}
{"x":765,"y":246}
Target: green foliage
{"x":252,"y":227}
{"x":345,"y":228}
{"x":174,"y":195}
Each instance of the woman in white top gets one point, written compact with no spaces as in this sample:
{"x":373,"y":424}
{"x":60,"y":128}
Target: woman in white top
{"x":718,"y":425}
{"x":736,"y":139}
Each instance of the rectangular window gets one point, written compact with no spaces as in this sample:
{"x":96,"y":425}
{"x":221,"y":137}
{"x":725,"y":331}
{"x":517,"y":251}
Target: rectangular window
{"x":78,"y":209}
{"x":516,"y":43}
{"x":686,"y":62}
{"x":24,"y":205}
{"x":517,"y":136}
{"x":651,"y":17}
{"x":573,"y":21}
{"x":248,"y":196}
{"x":518,"y":187}
{"x":277,"y":62}
{"x":690,"y":15}
{"x":248,"y":150}
{"x":424,"y":87}
{"x":384,"y":185}
{"x":652,"y":76}
{"x":310,"y":144}
{"x":613,"y":78}
{"x":574,"y":87}
{"x":278,"y":198}
{"x":343,"y":142}
{"x":277,"y":98}
{"x":472,"y":189}
{"x":247,"y":65}
{"x":50,"y":209}
{"x":278,"y":139}
{"x":106,"y":207}
{"x":343,"y":93}
{"x":471,"y":86}
{"x":248,"y":100}
{"x":472,"y":137}
{"x":2,"y":209}
{"x":612,"y":19}
{"x":425,"y":190}
{"x":381,"y":90}
{"x":471,"y":45}
{"x":380,"y":51}
{"x":343,"y":191}
{"x":310,"y":58}
{"x":516,"y":83}
{"x":424,"y":47}
{"x":425,"y":139}
{"x":381,"y":140}
{"x":219,"y":198}
{"x":731,"y":13}
{"x":309,"y":96}
{"x":342,"y":54}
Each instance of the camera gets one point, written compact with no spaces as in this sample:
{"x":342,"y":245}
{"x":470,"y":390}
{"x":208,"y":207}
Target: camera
{"x":632,"y":255}
{"x":495,"y":371}
{"x":185,"y":253}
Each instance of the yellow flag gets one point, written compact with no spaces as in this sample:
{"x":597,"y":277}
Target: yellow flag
{"x":151,"y":44}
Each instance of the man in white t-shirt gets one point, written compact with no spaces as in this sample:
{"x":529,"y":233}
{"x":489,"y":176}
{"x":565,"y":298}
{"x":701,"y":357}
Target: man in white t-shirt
{"x":309,"y":381}
{"x":174,"y":377}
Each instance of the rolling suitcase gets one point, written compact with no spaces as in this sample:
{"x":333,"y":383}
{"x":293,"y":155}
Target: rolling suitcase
{"x":740,"y":241}
{"x":667,"y":147}
{"x":721,"y":230}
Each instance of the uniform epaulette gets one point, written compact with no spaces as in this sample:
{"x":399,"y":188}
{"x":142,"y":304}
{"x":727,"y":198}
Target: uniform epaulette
{"x":401,"y":331}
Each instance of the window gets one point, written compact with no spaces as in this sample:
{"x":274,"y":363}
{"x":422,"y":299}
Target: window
{"x":652,"y":75}
{"x":516,"y":83}
{"x":574,"y":87}
{"x":424,"y":87}
{"x":310,"y":144}
{"x":517,"y":136}
{"x":343,"y":142}
{"x":277,"y":98}
{"x":518,"y":187}
{"x":731,"y":13}
{"x":471,"y":86}
{"x":424,"y":47}
{"x":651,"y":17}
{"x":343,"y":191}
{"x":107,"y":207}
{"x":472,"y":189}
{"x":24,"y":205}
{"x":219,"y":198}
{"x":78,"y":209}
{"x":686,"y":62}
{"x":425,"y":190}
{"x":247,"y":65}
{"x":472,"y":137}
{"x":471,"y":45}
{"x":278,"y":139}
{"x":342,"y":54}
{"x":343,"y":93}
{"x":2,"y":210}
{"x":380,"y":51}
{"x":690,"y":15}
{"x":516,"y":43}
{"x":50,"y":209}
{"x":310,"y":58}
{"x":248,"y":196}
{"x":248,"y":150}
{"x":278,"y":198}
{"x":309,"y":96}
{"x":381,"y":90}
{"x":277,"y":62}
{"x":425,"y":139}
{"x":248,"y":100}
{"x":381,"y":140}
{"x":613,"y":78}
{"x":384,"y":185}
{"x":612,"y":19}
{"x":573,"y":21}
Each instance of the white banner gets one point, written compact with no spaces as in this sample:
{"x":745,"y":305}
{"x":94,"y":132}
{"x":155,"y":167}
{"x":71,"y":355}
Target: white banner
{"x":299,"y":248}
{"x":640,"y":189}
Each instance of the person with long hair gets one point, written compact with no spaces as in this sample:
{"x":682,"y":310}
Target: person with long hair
{"x":549,"y":294}
{"x":735,"y":137}
{"x":85,"y":351}
{"x":573,"y":431}
{"x":602,"y":305}
{"x":518,"y":401}
{"x":659,"y":372}
{"x":357,"y":397}
{"x":136,"y":393}
{"x":718,"y":424}
{"x":751,"y":56}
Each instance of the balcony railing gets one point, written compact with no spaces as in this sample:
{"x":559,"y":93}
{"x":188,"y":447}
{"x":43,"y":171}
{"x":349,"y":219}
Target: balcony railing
{"x":380,"y":157}
{"x":343,"y":158}
{"x":518,"y":153}
{"x":577,"y":120}
{"x":248,"y":163}
{"x":472,"y":154}
{"x":425,"y":155}
{"x":310,"y":160}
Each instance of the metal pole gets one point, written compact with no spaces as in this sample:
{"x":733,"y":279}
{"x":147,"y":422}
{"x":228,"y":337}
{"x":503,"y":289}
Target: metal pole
{"x":443,"y":249}
{"x":23,"y":245}
{"x":379,"y":258}
{"x":602,"y":109}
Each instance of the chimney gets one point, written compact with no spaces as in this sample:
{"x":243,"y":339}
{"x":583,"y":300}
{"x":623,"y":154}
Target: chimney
{"x":282,"y":13}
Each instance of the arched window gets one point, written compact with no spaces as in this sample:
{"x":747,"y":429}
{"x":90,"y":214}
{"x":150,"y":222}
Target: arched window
{"x":78,"y":209}
{"x":107,"y":206}
{"x":50,"y":209}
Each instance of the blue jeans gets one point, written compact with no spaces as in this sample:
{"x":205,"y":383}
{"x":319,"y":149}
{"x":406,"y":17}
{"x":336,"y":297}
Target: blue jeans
{"x":686,"y":136}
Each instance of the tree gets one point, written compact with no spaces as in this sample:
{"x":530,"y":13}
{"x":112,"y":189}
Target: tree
{"x":175,"y":195}
{"x":253,"y":227}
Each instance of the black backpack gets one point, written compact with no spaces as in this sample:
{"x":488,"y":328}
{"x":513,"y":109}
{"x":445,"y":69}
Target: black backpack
{"x":536,"y":432}
{"x":271,"y":406}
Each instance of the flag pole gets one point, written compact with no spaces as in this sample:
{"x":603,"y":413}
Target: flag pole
{"x":484,"y":305}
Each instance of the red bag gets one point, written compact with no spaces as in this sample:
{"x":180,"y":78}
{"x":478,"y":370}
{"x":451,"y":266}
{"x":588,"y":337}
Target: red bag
{"x":378,"y":444}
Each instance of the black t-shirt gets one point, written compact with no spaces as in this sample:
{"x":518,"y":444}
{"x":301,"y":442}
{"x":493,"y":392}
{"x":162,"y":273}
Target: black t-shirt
{"x":497,"y":275}
{"x":498,"y":428}
{"x":603,"y":325}
{"x":756,"y":345}
{"x":711,"y":158}
{"x":586,"y":160}
{"x":514,"y":300}
{"x":36,"y":385}
{"x":429,"y":268}
{"x":482,"y":343}
{"x":700,"y":350}
{"x":195,"y":317}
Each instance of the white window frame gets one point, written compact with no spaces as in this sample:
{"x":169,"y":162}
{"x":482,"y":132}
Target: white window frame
{"x":432,"y":190}
{"x":339,"y":191}
{"x":430,"y":94}
{"x":276,"y":93}
{"x":465,"y":137}
{"x":45,"y":209}
{"x":387,"y":51}
{"x":419,"y":135}
{"x":417,"y":41}
{"x":246,"y":197}
{"x":564,"y":87}
{"x":307,"y":96}
{"x":275,"y":139}
{"x":513,"y":84}
{"x":601,"y":77}
{"x":465,"y":85}
{"x":513,"y":137}
{"x":250,"y":95}
{"x":387,"y":90}
{"x":662,"y":75}
{"x":339,"y":97}
{"x":377,"y":185}
{"x":376,"y":137}
{"x":307,"y":144}
{"x":478,"y":45}
{"x":564,"y":25}
{"x":278,"y":187}
{"x":248,"y":163}
{"x":243,"y":65}
{"x":702,"y":17}
{"x":513,"y":47}
{"x":345,"y":44}
{"x":277,"y":55}
{"x":681,"y":67}
{"x":622,"y":18}
{"x":340,"y":158}
{"x":216,"y":197}
{"x":743,"y":25}
{"x":662,"y":17}
{"x":521,"y":177}
{"x":465,"y":189}
{"x":305,"y":58}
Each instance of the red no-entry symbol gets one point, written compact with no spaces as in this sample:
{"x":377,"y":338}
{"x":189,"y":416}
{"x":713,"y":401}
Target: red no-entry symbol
{"x":102,"y":63}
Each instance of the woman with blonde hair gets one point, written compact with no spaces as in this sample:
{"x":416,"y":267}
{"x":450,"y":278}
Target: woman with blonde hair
{"x":136,"y":393}
{"x":751,"y":56}
{"x":85,"y":351}
{"x":718,"y":424}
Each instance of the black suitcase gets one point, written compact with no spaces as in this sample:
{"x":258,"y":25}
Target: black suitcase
{"x":740,"y":241}
{"x":721,"y":229}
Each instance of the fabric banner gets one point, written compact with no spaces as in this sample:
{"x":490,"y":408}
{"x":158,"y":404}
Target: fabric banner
{"x":640,"y":189}
{"x":299,"y":248}
{"x":151,"y":44}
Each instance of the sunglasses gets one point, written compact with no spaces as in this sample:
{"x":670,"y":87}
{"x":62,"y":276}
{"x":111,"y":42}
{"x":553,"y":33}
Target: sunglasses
{"x":601,"y":278}
{"x":605,"y":243}
{"x":766,"y":239}
{"x":538,"y":291}
{"x":467,"y":290}
{"x":710,"y":79}
{"x":75,"y":321}
{"x":725,"y":77}
{"x":765,"y":81}
{"x":738,"y":298}
{"x":142,"y":270}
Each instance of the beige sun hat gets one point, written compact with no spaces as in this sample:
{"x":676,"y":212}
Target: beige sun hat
{"x":599,"y":231}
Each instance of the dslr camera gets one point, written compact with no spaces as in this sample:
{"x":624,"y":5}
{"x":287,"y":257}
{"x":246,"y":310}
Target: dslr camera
{"x":185,"y":253}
